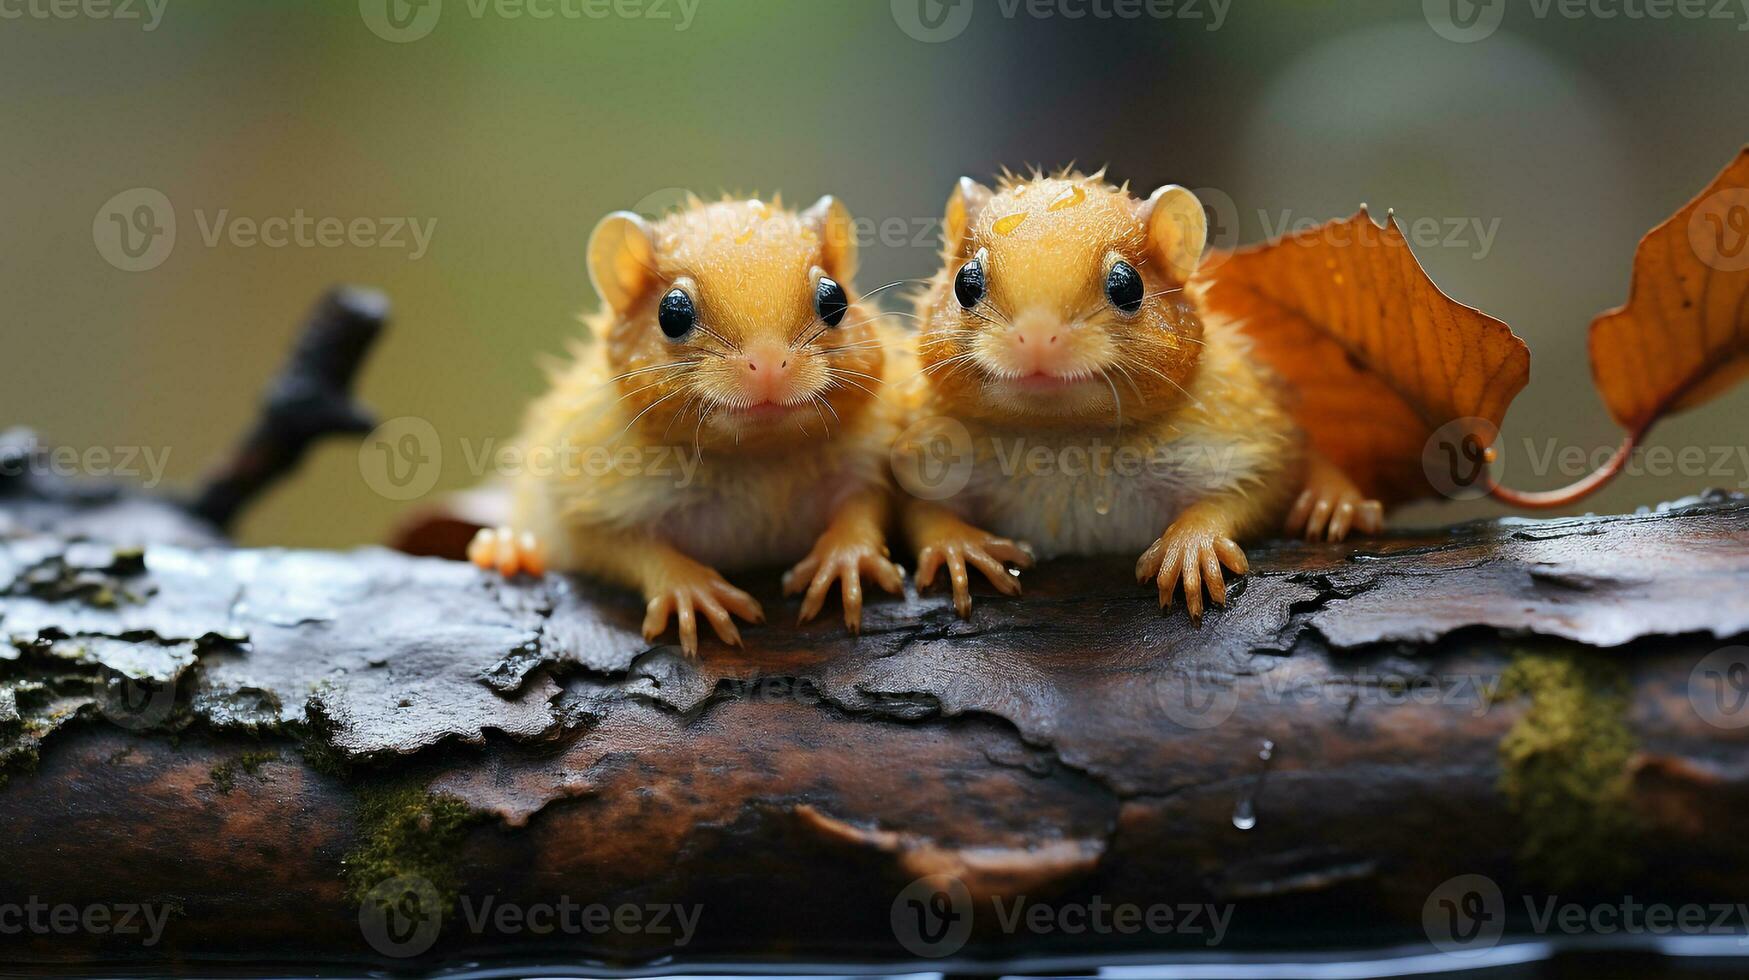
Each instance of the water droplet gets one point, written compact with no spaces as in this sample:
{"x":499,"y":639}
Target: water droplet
{"x":1245,"y":811}
{"x":1102,"y":505}
{"x":1006,"y":224}
{"x":1068,"y":199}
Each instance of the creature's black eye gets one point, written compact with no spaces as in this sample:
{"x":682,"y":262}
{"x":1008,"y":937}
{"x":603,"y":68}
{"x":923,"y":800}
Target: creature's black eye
{"x":1123,"y":286}
{"x":968,"y":285}
{"x":830,"y":302}
{"x":676,"y":314}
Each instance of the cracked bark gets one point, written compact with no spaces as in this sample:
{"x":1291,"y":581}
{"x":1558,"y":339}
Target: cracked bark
{"x":207,"y":727}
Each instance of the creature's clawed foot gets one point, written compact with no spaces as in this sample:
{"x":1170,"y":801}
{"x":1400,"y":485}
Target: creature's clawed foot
{"x":837,"y":559}
{"x":1191,"y":553}
{"x":685,"y":589}
{"x":1331,"y":505}
{"x":959,"y":544}
{"x":510,"y":552}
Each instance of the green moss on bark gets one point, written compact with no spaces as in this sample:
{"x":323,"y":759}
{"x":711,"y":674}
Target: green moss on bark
{"x":1565,"y":768}
{"x":407,"y":832}
{"x":224,"y":775}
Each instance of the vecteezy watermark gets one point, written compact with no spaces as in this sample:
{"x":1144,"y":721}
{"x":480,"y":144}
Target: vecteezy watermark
{"x":1718,"y":230}
{"x":1463,"y":459}
{"x":1468,"y":21}
{"x":143,"y":464}
{"x":1197,"y":699}
{"x":862,"y":231}
{"x":1465,"y":915}
{"x":135,"y":703}
{"x":135,"y":230}
{"x":934,"y":21}
{"x":402,"y":459}
{"x":1459,"y":459}
{"x":1474,"y":693}
{"x":933,"y":917}
{"x":936,"y":457}
{"x":1201,"y":699}
{"x":932,"y":459}
{"x":1472,"y":234}
{"x":1468,"y":914}
{"x":1717,"y":463}
{"x":148,"y":13}
{"x":1718,"y":688}
{"x":36,"y":917}
{"x":404,"y":916}
{"x":401,"y":21}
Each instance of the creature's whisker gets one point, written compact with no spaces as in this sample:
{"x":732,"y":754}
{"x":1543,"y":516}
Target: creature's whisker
{"x":876,"y":394}
{"x":860,"y":345}
{"x":890,"y":285}
{"x":672,"y":365}
{"x":1116,"y":400}
{"x":643,"y":413}
{"x":818,"y":401}
{"x":684,"y":406}
{"x":635,"y":391}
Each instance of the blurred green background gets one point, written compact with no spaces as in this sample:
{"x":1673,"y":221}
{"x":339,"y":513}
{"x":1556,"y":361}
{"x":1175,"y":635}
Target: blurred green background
{"x":1542,"y":151}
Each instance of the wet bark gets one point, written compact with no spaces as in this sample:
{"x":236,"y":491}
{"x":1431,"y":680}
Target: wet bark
{"x":365,"y":758}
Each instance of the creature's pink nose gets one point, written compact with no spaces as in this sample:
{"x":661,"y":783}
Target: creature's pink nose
{"x":766,"y":372}
{"x":1036,"y":342}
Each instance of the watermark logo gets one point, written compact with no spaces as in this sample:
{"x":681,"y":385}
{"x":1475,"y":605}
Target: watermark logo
{"x":1468,"y":21}
{"x":932,"y":21}
{"x":1198,"y":700}
{"x":133,"y":703}
{"x":933,"y":459}
{"x":143,"y":464}
{"x":400,"y":21}
{"x":1221,"y":215}
{"x":1718,"y":230}
{"x":402,"y":916}
{"x":135,"y":230}
{"x":1465,"y":915}
{"x":1464,"y":21}
{"x":150,"y":13}
{"x":36,"y":917}
{"x":932,"y":916}
{"x":1718,"y":688}
{"x":1459,"y":460}
{"x":402,"y":458}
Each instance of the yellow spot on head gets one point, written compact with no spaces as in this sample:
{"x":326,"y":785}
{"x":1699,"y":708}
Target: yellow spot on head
{"x":1006,"y":224}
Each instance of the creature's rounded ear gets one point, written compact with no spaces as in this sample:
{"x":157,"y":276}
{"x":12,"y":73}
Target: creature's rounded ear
{"x":830,"y":219}
{"x":622,"y":260}
{"x":963,"y":205}
{"x":1177,"y":230}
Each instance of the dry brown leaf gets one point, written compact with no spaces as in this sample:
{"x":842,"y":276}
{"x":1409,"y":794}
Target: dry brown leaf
{"x":1683,"y":336}
{"x":1379,"y":358}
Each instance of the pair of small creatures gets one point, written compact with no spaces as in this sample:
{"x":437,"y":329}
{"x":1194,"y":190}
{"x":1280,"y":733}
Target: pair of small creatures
{"x":1058,"y":329}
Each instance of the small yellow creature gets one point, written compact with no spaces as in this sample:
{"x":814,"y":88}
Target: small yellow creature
{"x":1105,"y":413}
{"x":727,"y":416}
